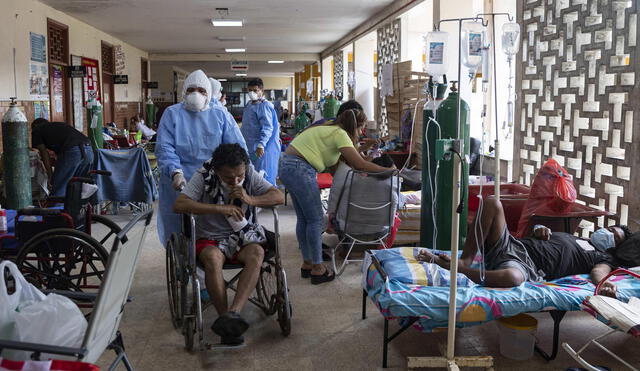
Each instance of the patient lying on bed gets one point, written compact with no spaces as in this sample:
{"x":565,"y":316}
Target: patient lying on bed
{"x":510,"y":261}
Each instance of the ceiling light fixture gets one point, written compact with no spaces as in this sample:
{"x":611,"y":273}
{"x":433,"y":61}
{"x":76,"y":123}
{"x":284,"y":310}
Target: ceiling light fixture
{"x":235,"y":50}
{"x":273,"y":62}
{"x":231,"y":38}
{"x":225,"y":22}
{"x":220,"y":22}
{"x":222,"y":80}
{"x":241,"y":74}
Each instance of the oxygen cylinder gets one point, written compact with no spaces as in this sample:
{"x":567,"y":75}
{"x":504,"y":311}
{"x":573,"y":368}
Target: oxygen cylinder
{"x":430,"y":133}
{"x":330,"y":107}
{"x":446,"y":116}
{"x":151,"y":112}
{"x":17,"y":173}
{"x":94,"y":119}
{"x":302,"y":121}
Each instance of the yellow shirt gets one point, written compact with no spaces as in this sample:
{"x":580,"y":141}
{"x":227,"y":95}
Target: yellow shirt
{"x":321,"y":145}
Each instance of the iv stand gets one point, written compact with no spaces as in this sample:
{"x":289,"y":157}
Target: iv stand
{"x":450,"y":361}
{"x":496,"y":144}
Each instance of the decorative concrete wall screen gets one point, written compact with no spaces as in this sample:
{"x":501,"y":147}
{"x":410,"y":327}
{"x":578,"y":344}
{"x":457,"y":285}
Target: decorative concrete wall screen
{"x":388,"y":52}
{"x":578,"y":100}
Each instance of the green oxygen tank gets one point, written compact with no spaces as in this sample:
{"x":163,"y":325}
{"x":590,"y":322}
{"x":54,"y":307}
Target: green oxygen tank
{"x":302,"y":120}
{"x":17,"y":172}
{"x":446,"y":116}
{"x":330,"y":107}
{"x":151,"y":112}
{"x":94,"y":120}
{"x":429,"y":134}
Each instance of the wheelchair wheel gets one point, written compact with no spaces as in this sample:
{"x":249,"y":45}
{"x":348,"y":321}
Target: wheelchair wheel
{"x":63,"y":259}
{"x":283,"y":304}
{"x":175,"y":272}
{"x":104,"y":230}
{"x":267,"y":288}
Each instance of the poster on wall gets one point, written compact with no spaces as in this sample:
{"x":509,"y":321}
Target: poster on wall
{"x":41,"y":109}
{"x":91,"y":82}
{"x":77,"y":94}
{"x":58,"y":89}
{"x":120,"y":64}
{"x":38,"y":81}
{"x":38,"y":49}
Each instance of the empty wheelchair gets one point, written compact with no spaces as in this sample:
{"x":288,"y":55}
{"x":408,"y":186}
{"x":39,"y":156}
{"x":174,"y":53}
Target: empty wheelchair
{"x":186,"y":305}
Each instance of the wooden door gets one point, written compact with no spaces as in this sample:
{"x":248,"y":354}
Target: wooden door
{"x":108,"y":70}
{"x":58,"y":47}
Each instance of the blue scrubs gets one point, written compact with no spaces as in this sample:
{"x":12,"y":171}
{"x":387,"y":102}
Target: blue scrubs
{"x":260,"y":126}
{"x":185,"y":141}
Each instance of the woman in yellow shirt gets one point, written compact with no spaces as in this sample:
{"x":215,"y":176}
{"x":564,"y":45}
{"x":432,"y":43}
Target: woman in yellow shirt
{"x":314,"y":150}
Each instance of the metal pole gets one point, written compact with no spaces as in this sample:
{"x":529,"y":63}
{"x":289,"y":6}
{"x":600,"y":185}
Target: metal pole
{"x":495,"y":108}
{"x":451,"y":332}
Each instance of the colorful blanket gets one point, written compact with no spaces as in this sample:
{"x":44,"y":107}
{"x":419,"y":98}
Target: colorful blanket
{"x":402,"y":296}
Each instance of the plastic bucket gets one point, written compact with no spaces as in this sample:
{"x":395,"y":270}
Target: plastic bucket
{"x":517,"y":336}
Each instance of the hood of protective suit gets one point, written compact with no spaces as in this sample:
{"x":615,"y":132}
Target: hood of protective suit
{"x":216,"y":88}
{"x":198,"y":79}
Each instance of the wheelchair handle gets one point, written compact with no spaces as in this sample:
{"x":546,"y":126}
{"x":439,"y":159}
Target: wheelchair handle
{"x":83,"y":180}
{"x":100,"y":172}
{"x":39,"y":212}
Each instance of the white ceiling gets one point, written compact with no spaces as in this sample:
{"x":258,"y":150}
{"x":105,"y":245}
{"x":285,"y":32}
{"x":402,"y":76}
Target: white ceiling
{"x":223,"y":68}
{"x":183,"y":26}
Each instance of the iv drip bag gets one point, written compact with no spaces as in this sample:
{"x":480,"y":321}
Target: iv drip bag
{"x":436,"y":53}
{"x":472,"y":44}
{"x":510,"y":38}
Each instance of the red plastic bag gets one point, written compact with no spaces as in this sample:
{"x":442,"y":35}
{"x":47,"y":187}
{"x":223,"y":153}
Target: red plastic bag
{"x":552,"y":192}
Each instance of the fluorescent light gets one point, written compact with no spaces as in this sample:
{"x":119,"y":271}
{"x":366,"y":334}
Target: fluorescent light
{"x":275,"y":62}
{"x":235,"y":50}
{"x":241,"y":74}
{"x":231,"y":38}
{"x":223,"y":22}
{"x":222,"y":80}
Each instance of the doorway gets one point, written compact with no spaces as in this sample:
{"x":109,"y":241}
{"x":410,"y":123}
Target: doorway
{"x":58,"y":47}
{"x":108,"y":70}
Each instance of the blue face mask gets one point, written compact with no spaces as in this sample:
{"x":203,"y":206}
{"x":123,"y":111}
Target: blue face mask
{"x":603,"y":239}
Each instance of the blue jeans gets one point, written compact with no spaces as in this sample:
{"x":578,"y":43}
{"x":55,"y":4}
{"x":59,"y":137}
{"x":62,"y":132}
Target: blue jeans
{"x":70,"y":163}
{"x":300,"y":180}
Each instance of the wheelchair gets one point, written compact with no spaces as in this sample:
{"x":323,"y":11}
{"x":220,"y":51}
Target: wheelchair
{"x":62,"y":247}
{"x":185,"y":303}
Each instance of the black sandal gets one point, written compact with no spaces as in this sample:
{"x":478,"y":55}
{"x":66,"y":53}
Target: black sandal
{"x":327,"y":276}
{"x":305,"y":273}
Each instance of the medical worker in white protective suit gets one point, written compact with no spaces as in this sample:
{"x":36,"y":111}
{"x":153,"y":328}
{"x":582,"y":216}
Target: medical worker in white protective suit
{"x":261,"y":131}
{"x":188,"y":134}
{"x":216,"y":93}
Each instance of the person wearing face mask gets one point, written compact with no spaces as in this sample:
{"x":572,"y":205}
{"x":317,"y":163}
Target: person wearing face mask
{"x":261,"y":131}
{"x":545,"y":256}
{"x":187,"y":135}
{"x":223,"y":194}
{"x":312,"y":151}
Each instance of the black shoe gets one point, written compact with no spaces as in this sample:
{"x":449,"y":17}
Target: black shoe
{"x":232,"y":341}
{"x":327,"y":276}
{"x":230,"y":324}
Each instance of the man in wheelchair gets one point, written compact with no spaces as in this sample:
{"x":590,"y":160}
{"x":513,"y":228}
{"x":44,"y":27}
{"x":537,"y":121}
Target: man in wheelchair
{"x":223,"y":195}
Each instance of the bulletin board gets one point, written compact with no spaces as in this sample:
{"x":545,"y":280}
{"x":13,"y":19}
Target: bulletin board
{"x":92,"y":79}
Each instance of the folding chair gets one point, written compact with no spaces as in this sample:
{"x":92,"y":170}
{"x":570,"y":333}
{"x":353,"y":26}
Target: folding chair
{"x":102,"y":332}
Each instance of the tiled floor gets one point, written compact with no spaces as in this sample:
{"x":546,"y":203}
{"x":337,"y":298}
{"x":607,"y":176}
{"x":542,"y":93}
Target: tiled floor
{"x":327,"y":330}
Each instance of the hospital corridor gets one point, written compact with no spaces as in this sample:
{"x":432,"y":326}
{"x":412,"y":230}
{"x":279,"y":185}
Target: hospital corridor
{"x":337,"y":185}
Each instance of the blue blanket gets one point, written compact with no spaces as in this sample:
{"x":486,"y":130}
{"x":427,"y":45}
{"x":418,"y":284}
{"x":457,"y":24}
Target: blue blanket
{"x":131,"y":179}
{"x":400,"y":296}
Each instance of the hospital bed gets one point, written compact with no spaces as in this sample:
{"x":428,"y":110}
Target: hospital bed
{"x":417,"y":294}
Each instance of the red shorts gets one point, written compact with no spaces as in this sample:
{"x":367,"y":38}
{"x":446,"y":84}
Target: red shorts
{"x":202,"y":244}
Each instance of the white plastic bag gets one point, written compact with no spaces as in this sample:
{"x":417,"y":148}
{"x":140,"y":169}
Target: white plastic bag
{"x":30,"y":316}
{"x":25,"y":294}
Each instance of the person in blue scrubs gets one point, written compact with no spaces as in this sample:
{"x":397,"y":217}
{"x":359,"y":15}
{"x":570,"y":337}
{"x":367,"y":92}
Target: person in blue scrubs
{"x":188,"y":134}
{"x":261,"y":131}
